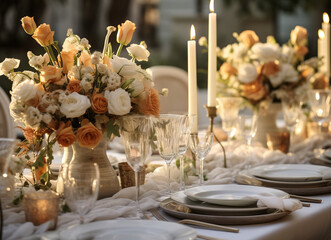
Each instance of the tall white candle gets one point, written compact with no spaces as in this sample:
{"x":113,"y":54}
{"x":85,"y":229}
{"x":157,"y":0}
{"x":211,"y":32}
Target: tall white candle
{"x":327,"y":49}
{"x":212,"y":36}
{"x":192,"y":80}
{"x":320,"y":50}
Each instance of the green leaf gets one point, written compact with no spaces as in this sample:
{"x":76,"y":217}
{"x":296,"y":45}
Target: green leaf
{"x":127,"y":83}
{"x":112,"y":128}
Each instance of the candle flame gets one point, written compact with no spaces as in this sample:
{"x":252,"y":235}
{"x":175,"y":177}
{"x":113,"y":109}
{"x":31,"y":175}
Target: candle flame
{"x":326,"y":18}
{"x":211,"y":5}
{"x":192,"y":32}
{"x":321,"y":34}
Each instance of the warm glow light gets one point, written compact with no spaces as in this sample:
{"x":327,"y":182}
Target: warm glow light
{"x":321,"y":34}
{"x":326,"y":18}
{"x":192,"y":32}
{"x":211,"y":5}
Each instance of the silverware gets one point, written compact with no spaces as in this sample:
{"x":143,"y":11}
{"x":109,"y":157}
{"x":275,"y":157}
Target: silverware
{"x":306,"y":199}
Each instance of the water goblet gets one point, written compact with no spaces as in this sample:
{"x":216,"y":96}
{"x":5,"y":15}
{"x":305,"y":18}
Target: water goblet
{"x":200,"y":144}
{"x":81,"y":187}
{"x":320,"y":103}
{"x":135,"y":131}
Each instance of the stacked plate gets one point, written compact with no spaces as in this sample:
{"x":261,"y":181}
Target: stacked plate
{"x":322,"y":157}
{"x":223,"y":204}
{"x":301,"y":179}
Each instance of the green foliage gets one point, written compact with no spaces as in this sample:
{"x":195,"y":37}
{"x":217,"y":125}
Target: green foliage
{"x":112,"y":128}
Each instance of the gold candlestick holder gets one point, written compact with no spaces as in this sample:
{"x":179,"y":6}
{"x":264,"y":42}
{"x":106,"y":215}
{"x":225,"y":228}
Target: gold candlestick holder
{"x":211,"y":114}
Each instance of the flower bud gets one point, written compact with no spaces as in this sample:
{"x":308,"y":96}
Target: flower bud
{"x":28,"y":25}
{"x":125,"y":32}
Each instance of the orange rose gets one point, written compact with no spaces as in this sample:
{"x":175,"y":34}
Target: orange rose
{"x":68,"y":59}
{"x":320,"y":81}
{"x":301,"y":51}
{"x":85,"y":59}
{"x":88,"y":135}
{"x":65,"y":135}
{"x":149,"y":102}
{"x":28,"y":25}
{"x":255,"y":90}
{"x":125,"y":32}
{"x":43,"y":35}
{"x":249,"y":38}
{"x":270,"y":68}
{"x":74,"y":86}
{"x":227,"y":70}
{"x":307,"y":72}
{"x":299,"y":36}
{"x":99,"y":103}
{"x":51,"y":74}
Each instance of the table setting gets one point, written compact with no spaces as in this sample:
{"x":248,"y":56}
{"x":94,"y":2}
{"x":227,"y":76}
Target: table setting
{"x":104,"y":163}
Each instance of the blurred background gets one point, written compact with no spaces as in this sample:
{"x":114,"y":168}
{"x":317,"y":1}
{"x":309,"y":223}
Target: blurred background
{"x":163,"y":24}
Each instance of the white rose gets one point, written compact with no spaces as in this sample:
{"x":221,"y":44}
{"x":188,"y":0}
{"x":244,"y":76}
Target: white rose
{"x":139,"y":52}
{"x":119,"y":102}
{"x":8,"y":64}
{"x":33,"y":117}
{"x":74,"y":105}
{"x":291,"y":75}
{"x":247,"y":73}
{"x":137,"y":86}
{"x":266,"y":52}
{"x":124,"y":66}
{"x":25,"y":91}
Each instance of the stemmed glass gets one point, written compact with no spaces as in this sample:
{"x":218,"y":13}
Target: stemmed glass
{"x":200,"y":144}
{"x":135,"y":131}
{"x":167,"y":129}
{"x":81,"y":187}
{"x":320,"y":103}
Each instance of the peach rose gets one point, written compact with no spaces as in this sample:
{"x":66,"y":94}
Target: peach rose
{"x":68,"y":59}
{"x":74,"y":86}
{"x":149,"y":102}
{"x":270,"y":68}
{"x":301,"y":51}
{"x":88,"y":135}
{"x":125,"y":32}
{"x":255,"y":90}
{"x":99,"y":103}
{"x":28,"y":25}
{"x":65,"y":135}
{"x":227,"y":70}
{"x":43,"y":35}
{"x":85,"y":59}
{"x":299,"y":36}
{"x":249,"y":37}
{"x":51,"y":74}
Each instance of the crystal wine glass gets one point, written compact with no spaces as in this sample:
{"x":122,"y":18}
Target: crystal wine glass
{"x":320,"y":103}
{"x":81,"y":187}
{"x":135,"y":131}
{"x":200,"y":144}
{"x":167,"y":129}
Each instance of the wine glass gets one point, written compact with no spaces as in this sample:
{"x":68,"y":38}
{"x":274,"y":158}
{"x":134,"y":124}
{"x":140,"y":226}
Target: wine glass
{"x":200,"y":144}
{"x":167,"y":129}
{"x":135,"y":131}
{"x":320,"y":103}
{"x":81,"y":187}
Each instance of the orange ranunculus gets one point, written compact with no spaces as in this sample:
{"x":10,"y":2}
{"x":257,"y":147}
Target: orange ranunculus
{"x":249,"y":38}
{"x":255,"y":90}
{"x":299,"y":36}
{"x":65,"y":135}
{"x":270,"y":68}
{"x":85,"y":59}
{"x":320,"y":81}
{"x":88,"y":135}
{"x":125,"y":32}
{"x":227,"y":70}
{"x":301,"y":51}
{"x":149,"y":102}
{"x":43,"y":35}
{"x":28,"y":25}
{"x":51,"y":74}
{"x":68,"y":59}
{"x":99,"y":103}
{"x":74,"y":86}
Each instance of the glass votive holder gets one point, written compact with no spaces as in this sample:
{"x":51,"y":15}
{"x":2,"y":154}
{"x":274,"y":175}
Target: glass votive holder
{"x":278,"y":141}
{"x":127,"y":175}
{"x":41,"y":207}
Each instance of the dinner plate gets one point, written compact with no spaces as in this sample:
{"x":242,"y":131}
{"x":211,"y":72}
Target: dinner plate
{"x":128,"y":230}
{"x":169,"y":206}
{"x":207,"y":208}
{"x":327,"y":154}
{"x":232,"y":194}
{"x":291,"y":172}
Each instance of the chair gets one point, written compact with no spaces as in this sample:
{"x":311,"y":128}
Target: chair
{"x":7,"y":126}
{"x":175,"y":80}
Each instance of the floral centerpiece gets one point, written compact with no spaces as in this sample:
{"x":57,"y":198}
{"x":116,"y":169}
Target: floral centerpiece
{"x":75,"y":95}
{"x":258,"y":72}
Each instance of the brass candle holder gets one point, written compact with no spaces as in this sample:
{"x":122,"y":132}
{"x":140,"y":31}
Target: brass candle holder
{"x":211,"y":114}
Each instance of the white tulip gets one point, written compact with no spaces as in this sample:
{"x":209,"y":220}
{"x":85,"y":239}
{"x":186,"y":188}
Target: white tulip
{"x":139,"y":52}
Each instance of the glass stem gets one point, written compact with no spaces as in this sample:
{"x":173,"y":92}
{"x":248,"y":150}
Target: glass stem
{"x":136,"y":175}
{"x":201,"y":171}
{"x":181,"y":173}
{"x":168,"y":168}
{"x":81,"y":219}
{"x":1,"y":220}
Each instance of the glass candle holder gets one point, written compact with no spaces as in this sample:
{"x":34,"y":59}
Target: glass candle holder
{"x":279,"y":141}
{"x":41,"y":207}
{"x":127,"y":175}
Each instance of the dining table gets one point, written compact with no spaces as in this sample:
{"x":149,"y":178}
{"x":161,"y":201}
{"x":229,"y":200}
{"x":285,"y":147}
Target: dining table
{"x":312,"y":221}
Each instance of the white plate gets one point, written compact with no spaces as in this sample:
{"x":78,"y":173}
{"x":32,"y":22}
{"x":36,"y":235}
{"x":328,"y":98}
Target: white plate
{"x":327,"y":154}
{"x":128,"y":230}
{"x":232,"y":194}
{"x":291,"y":172}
